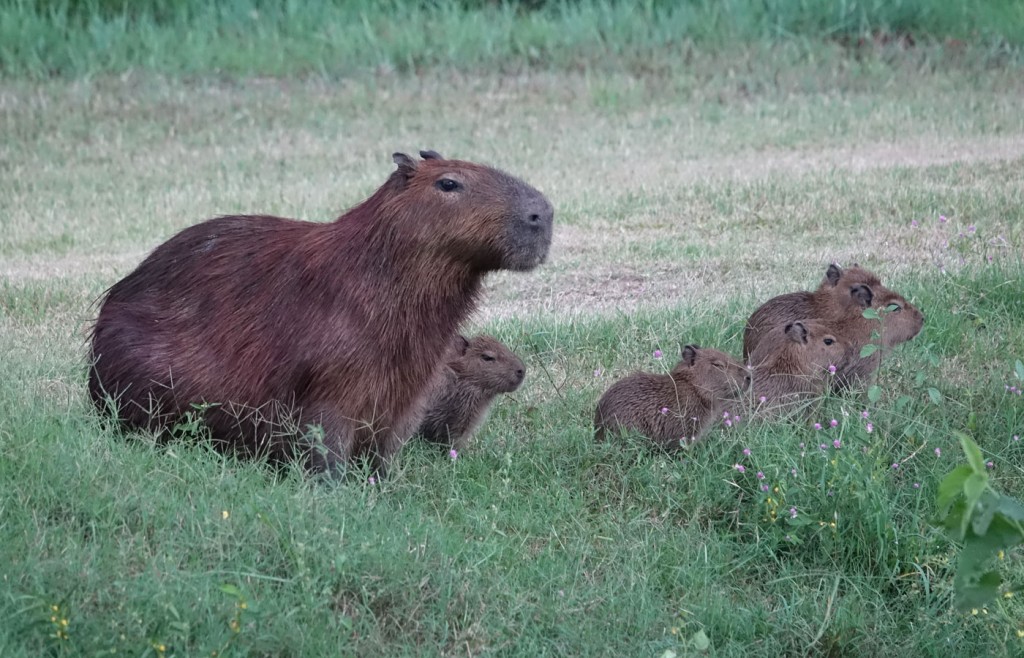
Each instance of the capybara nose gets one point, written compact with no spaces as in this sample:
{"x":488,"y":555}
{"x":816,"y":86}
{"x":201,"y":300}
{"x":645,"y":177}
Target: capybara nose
{"x":520,"y":373}
{"x":539,"y":213}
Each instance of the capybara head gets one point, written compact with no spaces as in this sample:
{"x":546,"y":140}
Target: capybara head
{"x":852,"y":290}
{"x":481,"y":216}
{"x":810,"y":346}
{"x":715,"y":372}
{"x":487,"y":364}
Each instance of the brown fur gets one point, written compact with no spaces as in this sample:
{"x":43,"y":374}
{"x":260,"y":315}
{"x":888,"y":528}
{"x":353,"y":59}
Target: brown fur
{"x":791,"y":364}
{"x":841,"y":300}
{"x":286,"y":324}
{"x":695,"y":393}
{"x":477,"y":371}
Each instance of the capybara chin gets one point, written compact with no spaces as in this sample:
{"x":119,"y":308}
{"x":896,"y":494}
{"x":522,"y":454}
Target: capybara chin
{"x":793,"y":364}
{"x":676,"y":409}
{"x":476,"y":372}
{"x":283,"y":325}
{"x":841,"y":300}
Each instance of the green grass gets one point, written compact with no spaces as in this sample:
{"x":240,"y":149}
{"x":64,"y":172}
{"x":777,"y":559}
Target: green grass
{"x":680,"y":207}
{"x":44,"y":38}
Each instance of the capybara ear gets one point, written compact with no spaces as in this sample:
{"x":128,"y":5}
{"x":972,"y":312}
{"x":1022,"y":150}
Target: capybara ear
{"x":797,"y":332}
{"x":690,"y":354}
{"x":862,"y":295}
{"x":833,"y":273}
{"x":461,"y":344}
{"x":431,"y":155}
{"x":406,"y":165}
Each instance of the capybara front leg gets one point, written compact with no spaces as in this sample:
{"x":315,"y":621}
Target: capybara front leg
{"x":327,"y":440}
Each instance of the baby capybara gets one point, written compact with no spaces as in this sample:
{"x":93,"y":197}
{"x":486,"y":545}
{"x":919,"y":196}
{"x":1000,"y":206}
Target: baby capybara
{"x":841,"y":300}
{"x":314,"y":339}
{"x":676,"y":409}
{"x":794,"y":363}
{"x":476,"y":372}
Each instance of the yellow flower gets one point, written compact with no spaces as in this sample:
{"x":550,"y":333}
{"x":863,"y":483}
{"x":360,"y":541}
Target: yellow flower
{"x":1001,"y":555}
{"x":1020,"y":632}
{"x":1008,"y":595}
{"x":974,"y":611}
{"x":225,"y":514}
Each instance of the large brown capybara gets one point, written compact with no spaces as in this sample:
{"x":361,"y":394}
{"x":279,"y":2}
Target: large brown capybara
{"x":841,"y":300}
{"x":676,"y":409}
{"x":794,"y":363}
{"x":314,"y":340}
{"x":476,"y":372}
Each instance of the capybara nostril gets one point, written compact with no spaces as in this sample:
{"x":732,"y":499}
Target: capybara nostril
{"x":520,"y":374}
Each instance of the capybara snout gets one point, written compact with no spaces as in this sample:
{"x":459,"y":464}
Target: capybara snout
{"x":529,"y":231}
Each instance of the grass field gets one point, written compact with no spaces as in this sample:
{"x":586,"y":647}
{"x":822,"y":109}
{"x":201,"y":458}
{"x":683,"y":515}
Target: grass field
{"x":682,"y":201}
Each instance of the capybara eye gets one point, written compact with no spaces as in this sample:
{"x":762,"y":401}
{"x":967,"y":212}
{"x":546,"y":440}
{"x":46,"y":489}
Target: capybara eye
{"x":829,"y":341}
{"x":894,"y":308}
{"x":487,"y":357}
{"x":447,"y":185}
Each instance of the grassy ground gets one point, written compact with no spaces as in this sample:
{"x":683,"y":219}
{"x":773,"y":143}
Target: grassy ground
{"x":682,"y":201}
{"x":44,"y":38}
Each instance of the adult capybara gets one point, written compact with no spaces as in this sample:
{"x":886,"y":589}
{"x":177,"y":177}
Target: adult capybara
{"x":791,"y":364}
{"x":676,"y":409}
{"x":476,"y":372}
{"x":841,"y":300}
{"x":314,"y":339}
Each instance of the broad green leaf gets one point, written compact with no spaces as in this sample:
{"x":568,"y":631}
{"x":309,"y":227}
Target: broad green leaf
{"x":668,"y":653}
{"x":700,"y":641}
{"x":870,"y":314}
{"x":976,"y":592}
{"x":983,"y":513}
{"x":874,"y":393}
{"x":973,"y":452}
{"x":935,"y":396}
{"x":951,"y":486}
{"x":954,"y":517}
{"x":868,"y":350}
{"x":1018,"y":368}
{"x":902,"y":402}
{"x":1002,"y":534}
{"x":230,"y":590}
{"x":974,"y":486}
{"x":1011,"y":508}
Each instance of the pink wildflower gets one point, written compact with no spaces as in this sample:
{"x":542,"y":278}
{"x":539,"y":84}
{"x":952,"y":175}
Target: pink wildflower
{"x":833,"y":423}
{"x":740,"y":468}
